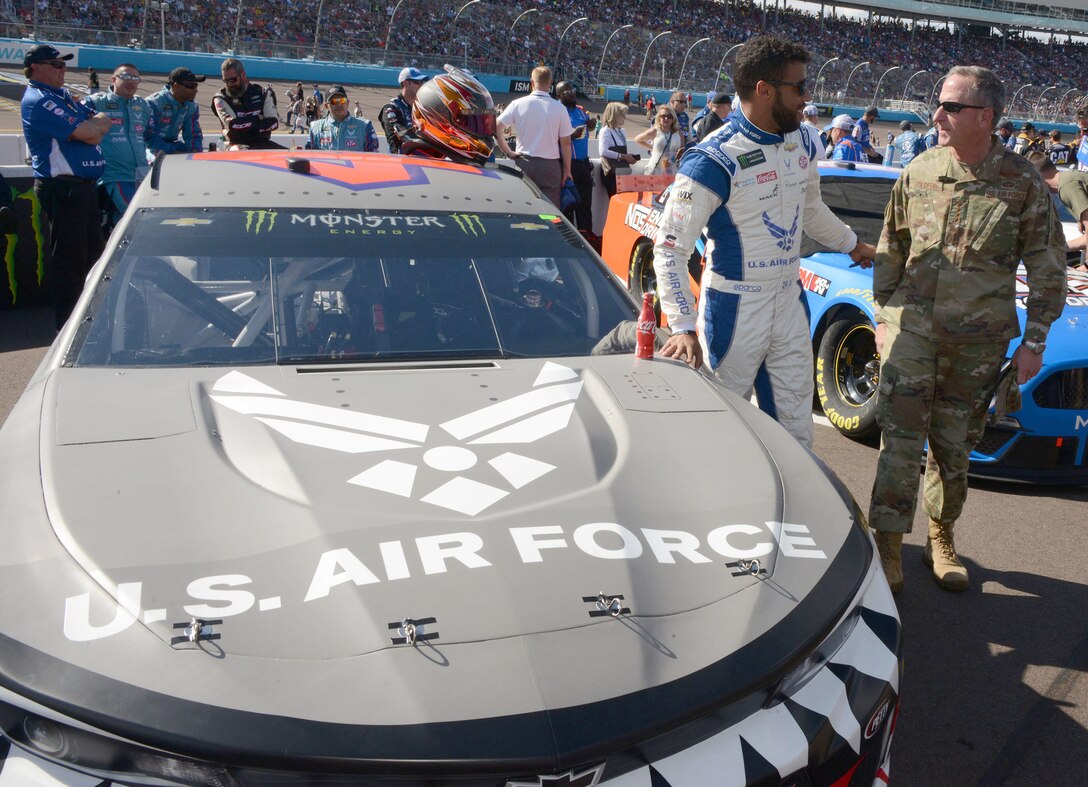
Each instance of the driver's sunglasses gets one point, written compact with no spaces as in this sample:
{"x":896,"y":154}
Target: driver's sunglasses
{"x":802,"y":86}
{"x":338,"y":101}
{"x":955,"y":107}
{"x":127,"y":77}
{"x":190,"y":85}
{"x":54,"y":63}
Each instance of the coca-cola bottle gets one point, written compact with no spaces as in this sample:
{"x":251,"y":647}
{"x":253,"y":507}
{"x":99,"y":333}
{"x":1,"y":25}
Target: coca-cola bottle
{"x":647,"y":328}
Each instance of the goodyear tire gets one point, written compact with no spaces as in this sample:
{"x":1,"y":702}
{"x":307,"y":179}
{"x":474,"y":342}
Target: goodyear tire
{"x":847,"y":376}
{"x":641,"y":276}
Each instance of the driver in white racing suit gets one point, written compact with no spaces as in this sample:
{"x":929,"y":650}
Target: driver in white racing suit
{"x":754,"y":187}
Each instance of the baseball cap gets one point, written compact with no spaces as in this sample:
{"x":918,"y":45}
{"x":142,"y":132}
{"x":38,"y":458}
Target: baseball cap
{"x":906,"y":125}
{"x":719,"y":98}
{"x":44,"y":52}
{"x":872,"y":111}
{"x":1029,"y":126}
{"x":1008,"y":125}
{"x":182,"y":74}
{"x":411,"y":72}
{"x":810,"y":109}
{"x":844,"y":122}
{"x":337,"y":90}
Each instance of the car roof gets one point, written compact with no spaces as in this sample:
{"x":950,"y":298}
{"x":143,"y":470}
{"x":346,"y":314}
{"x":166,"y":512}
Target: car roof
{"x":332,"y":179}
{"x":854,"y":169}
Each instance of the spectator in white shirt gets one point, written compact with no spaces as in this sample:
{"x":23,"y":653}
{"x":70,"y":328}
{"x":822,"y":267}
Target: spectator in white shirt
{"x":543,"y":136}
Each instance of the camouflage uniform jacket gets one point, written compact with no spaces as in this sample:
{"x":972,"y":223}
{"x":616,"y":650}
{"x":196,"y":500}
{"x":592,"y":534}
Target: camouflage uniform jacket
{"x":952,"y":240}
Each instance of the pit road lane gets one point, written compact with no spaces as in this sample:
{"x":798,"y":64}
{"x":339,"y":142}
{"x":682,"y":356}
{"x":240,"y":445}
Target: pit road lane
{"x":994,"y":683}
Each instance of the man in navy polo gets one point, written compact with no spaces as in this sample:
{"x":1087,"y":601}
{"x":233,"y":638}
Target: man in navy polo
{"x":581,"y":170}
{"x":63,"y":137}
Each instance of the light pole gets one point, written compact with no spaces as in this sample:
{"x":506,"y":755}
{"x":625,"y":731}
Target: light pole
{"x":846,"y":90}
{"x":1012,"y":104}
{"x":526,"y":12}
{"x":877,"y":91}
{"x":936,"y":85}
{"x":821,"y":71}
{"x":683,"y":65}
{"x":317,"y":27}
{"x":559,"y":46}
{"x":1065,"y":95}
{"x":606,"y":43}
{"x":453,"y":25}
{"x":237,"y":25}
{"x":647,"y":55}
{"x":912,"y":76}
{"x":389,"y":32}
{"x":1039,"y":100}
{"x":721,"y":65}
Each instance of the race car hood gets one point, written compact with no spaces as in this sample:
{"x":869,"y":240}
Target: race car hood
{"x":516,"y":515}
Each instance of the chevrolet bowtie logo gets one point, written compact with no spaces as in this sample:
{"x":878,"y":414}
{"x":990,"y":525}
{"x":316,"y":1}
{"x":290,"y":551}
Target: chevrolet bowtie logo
{"x":455,"y":450}
{"x":187,"y":222}
{"x":569,"y":779}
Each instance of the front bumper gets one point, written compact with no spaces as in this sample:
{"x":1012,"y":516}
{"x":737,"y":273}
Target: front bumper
{"x":834,"y":729}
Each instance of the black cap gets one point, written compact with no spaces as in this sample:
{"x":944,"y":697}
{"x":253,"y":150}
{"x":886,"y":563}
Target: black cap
{"x":721,"y":98}
{"x":872,"y":111}
{"x":337,"y":89}
{"x":44,"y":52}
{"x":182,"y":74}
{"x":1008,"y":125}
{"x":1029,"y":125}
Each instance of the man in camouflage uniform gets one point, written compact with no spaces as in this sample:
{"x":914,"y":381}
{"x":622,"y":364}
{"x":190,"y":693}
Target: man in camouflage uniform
{"x":960,"y":219}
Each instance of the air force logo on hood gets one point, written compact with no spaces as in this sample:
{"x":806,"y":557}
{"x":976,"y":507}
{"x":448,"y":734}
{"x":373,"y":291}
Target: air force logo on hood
{"x":521,"y":420}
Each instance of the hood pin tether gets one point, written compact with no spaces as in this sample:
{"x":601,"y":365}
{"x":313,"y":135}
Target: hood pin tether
{"x":196,"y":630}
{"x":606,"y":604}
{"x":412,"y":631}
{"x":746,"y":567}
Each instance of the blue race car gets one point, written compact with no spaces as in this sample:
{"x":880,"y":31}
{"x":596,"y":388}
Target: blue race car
{"x":1043,"y":442}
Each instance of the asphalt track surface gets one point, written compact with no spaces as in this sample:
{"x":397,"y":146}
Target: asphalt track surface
{"x":995,"y":683}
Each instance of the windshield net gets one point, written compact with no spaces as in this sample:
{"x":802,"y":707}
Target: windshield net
{"x":201,"y":287}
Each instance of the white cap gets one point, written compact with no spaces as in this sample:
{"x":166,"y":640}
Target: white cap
{"x":844,"y":122}
{"x":810,"y":109}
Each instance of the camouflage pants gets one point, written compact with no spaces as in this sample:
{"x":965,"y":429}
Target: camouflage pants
{"x":935,"y":390}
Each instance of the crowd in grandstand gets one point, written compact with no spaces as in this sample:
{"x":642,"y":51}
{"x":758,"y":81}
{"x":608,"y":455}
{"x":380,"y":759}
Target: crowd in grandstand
{"x":489,"y":35}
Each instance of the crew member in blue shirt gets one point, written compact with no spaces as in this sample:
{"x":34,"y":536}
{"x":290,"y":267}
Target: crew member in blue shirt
{"x":843,"y":146}
{"x":125,"y":145}
{"x":338,"y":130}
{"x":905,"y":147}
{"x":62,"y":136}
{"x":176,"y":116}
{"x":863,"y":134}
{"x":581,"y":170}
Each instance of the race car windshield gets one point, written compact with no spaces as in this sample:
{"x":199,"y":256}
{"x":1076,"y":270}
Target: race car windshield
{"x":232,"y":287}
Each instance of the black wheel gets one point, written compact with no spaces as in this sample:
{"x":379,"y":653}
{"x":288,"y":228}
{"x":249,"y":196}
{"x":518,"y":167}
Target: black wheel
{"x":848,"y":374}
{"x":641,"y":276}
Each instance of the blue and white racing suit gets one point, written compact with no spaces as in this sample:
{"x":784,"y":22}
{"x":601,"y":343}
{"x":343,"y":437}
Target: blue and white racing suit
{"x":354,"y":134}
{"x":124,"y":146}
{"x":754,"y":193}
{"x":176,"y":125}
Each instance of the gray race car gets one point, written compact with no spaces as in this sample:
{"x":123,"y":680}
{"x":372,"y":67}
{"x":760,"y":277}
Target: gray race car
{"x":344,"y":472}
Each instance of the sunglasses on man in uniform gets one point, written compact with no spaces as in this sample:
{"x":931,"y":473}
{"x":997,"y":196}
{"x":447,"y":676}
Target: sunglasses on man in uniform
{"x":338,"y":100}
{"x":54,"y":63}
{"x":127,"y":77}
{"x":801,"y":86}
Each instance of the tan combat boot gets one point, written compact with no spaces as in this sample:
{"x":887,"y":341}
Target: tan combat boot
{"x":940,"y":555}
{"x":890,"y":547}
